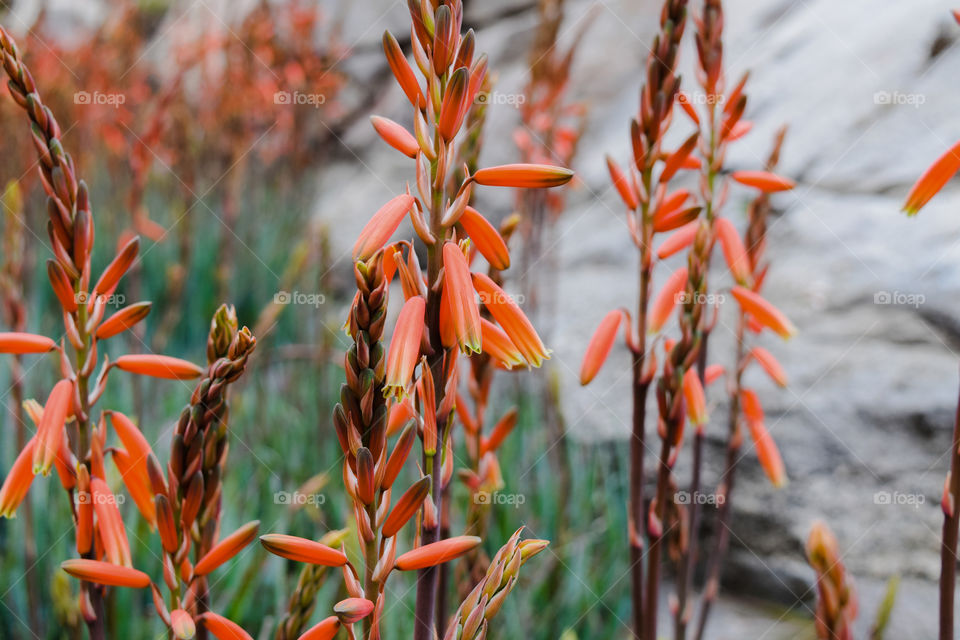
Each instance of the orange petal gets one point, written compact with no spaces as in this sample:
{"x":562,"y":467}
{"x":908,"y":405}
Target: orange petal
{"x":17,"y":342}
{"x":486,"y":238}
{"x":713,"y":373}
{"x":402,"y":71}
{"x":182,"y":625}
{"x":109,"y":523}
{"x":302,"y":550}
{"x":523,"y":176}
{"x":222,"y":628}
{"x":496,"y":343}
{"x":404,"y":347}
{"x":513,"y":321}
{"x":733,"y":250}
{"x":62,"y":286}
{"x":665,"y":301}
{"x":227,"y":548}
{"x":500,"y":432}
{"x":123,"y":320}
{"x":750,"y":404}
{"x":352,"y":610}
{"x":461,"y":301}
{"x":678,"y":158}
{"x":400,"y":414}
{"x":767,"y":453}
{"x":932,"y":180}
{"x":684,"y":101}
{"x":763,"y":180}
{"x":106,"y":573}
{"x":627,"y":193}
{"x":326,"y":629}
{"x":381,"y":226}
{"x":770,"y":365}
{"x":430,"y":555}
{"x":740,"y":129}
{"x":133,"y":472}
{"x":396,"y":136}
{"x":694,"y":397}
{"x":17,"y":482}
{"x":118,"y":267}
{"x":765,"y":313}
{"x":158,"y":366}
{"x":399,"y":455}
{"x":131,"y":437}
{"x":406,"y":507}
{"x":678,"y":240}
{"x":451,"y":109}
{"x":50,"y":430}
{"x":600,"y":346}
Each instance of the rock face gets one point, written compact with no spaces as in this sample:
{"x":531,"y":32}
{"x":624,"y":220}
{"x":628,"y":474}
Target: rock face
{"x":871,"y":98}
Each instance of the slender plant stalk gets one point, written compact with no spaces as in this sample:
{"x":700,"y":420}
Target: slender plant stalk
{"x":948,"y":546}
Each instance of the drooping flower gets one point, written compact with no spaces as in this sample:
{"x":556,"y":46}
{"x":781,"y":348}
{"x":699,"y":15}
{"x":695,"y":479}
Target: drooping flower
{"x":763,"y":180}
{"x":463,"y":314}
{"x":106,"y":573}
{"x":302,"y":550}
{"x":381,"y":226}
{"x":435,"y":553}
{"x":600,"y":346}
{"x":158,"y":366}
{"x":513,"y":321}
{"x":227,"y":548}
{"x":404,"y":349}
{"x":933,"y":180}
{"x":764,"y":312}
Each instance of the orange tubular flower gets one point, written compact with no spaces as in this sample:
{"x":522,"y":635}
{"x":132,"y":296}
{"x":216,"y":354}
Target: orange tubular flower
{"x":118,"y":267}
{"x":733,"y":250}
{"x":663,"y":305}
{"x":497,"y":345}
{"x":523,"y":176}
{"x":158,"y":366}
{"x":352,"y":610}
{"x":461,"y":303}
{"x":17,"y":342}
{"x":600,"y":346}
{"x":402,"y":71}
{"x":769,"y":363}
{"x":713,"y":373}
{"x":133,"y":472}
{"x":106,"y":573}
{"x":486,"y":238}
{"x":182,"y":625}
{"x":500,"y":431}
{"x":430,"y":555}
{"x":406,"y":507}
{"x":302,"y":550}
{"x":513,"y":321}
{"x":381,"y":226}
{"x":405,"y":347}
{"x":222,"y":628}
{"x":678,"y":240}
{"x":764,"y":312}
{"x":763,"y":180}
{"x":109,"y":523}
{"x":396,"y":136}
{"x":767,"y":453}
{"x":451,"y":110}
{"x":694,"y":397}
{"x":932,"y":180}
{"x":627,"y":193}
{"x":61,"y":286}
{"x":17,"y":482}
{"x":227,"y":548}
{"x":123,"y":320}
{"x":50,"y":430}
{"x":326,"y":629}
{"x":131,"y":437}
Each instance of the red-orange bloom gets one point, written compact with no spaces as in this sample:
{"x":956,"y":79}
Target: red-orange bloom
{"x":381,"y":226}
{"x":769,"y":363}
{"x":627,"y":193}
{"x":18,"y":342}
{"x":513,"y":321}
{"x":326,"y":629}
{"x":451,"y":109}
{"x":763,"y":180}
{"x":408,"y":505}
{"x":932,"y":180}
{"x":50,"y":430}
{"x":61,"y":286}
{"x":182,"y":625}
{"x":486,"y":238}
{"x":17,"y":482}
{"x":227,"y":548}
{"x":497,"y":345}
{"x":222,"y":628}
{"x":767,"y":452}
{"x":402,"y":71}
{"x":131,"y":437}
{"x":463,"y":314}
{"x":665,"y":301}
{"x":118,"y":267}
{"x":302,"y":550}
{"x":123,"y":320}
{"x":600,"y":346}
{"x":106,"y":573}
{"x":116,"y":547}
{"x":764,"y":312}
{"x":523,"y":176}
{"x":396,"y":136}
{"x":133,"y":472}
{"x":694,"y":397}
{"x":158,"y":366}
{"x":351,"y":610}
{"x":500,"y":431}
{"x":435,"y":553}
{"x":733,"y":250}
{"x":404,"y":347}
{"x":677,"y":159}
{"x":713,"y":373}
{"x":400,"y":414}
{"x":678,"y":240}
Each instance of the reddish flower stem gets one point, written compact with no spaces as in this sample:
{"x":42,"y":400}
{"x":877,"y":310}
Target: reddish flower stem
{"x":948,"y":546}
